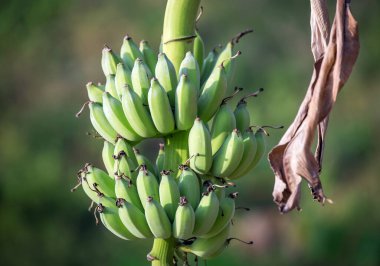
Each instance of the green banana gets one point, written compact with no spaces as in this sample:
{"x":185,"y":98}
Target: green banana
{"x":241,"y":112}
{"x":226,"y":58}
{"x":169,"y":194}
{"x":207,"y":247}
{"x":107,"y":156}
{"x":129,"y":51}
{"x":109,"y":61}
{"x":200,"y":147}
{"x":95,"y":93}
{"x":160,"y":108}
{"x":261,"y":147}
{"x":213,"y":92}
{"x":146,"y":184}
{"x":95,"y":177}
{"x":127,"y":190}
{"x":209,"y":63}
{"x":167,"y":76}
{"x":100,"y":122}
{"x":122,"y":78}
{"x":143,"y":160}
{"x":136,"y":113}
{"x":113,"y":110}
{"x":157,"y":219}
{"x":189,"y":66}
{"x":160,"y":160}
{"x":133,"y":219}
{"x":199,"y":48}
{"x":184,"y":220}
{"x":186,"y":96}
{"x":206,"y":212}
{"x":224,"y":122}
{"x":123,"y":145}
{"x":140,"y":80}
{"x":228,"y":158}
{"x":250,"y":148}
{"x":150,"y":57}
{"x":111,"y":87}
{"x":188,"y":185}
{"x":109,"y":216}
{"x":225,"y":214}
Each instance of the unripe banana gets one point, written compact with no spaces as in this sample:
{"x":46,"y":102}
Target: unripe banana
{"x":107,"y":156}
{"x":100,"y":122}
{"x":169,"y":194}
{"x":143,"y":160}
{"x":113,"y":110}
{"x":140,"y":80}
{"x":160,"y":108}
{"x":157,"y":219}
{"x":226,"y":58}
{"x":127,"y":190}
{"x":122,"y":78}
{"x":129,"y":51}
{"x":133,"y":219}
{"x":199,"y":48}
{"x":261,"y":147}
{"x":242,"y":116}
{"x":206,"y":213}
{"x":150,"y":57}
{"x":228,"y":158}
{"x":147,"y":185}
{"x":160,"y":160}
{"x":189,"y":66}
{"x":184,"y":220}
{"x":111,"y":87}
{"x":200,"y":147}
{"x":136,"y":114}
{"x":225,"y":214}
{"x":109,"y":61}
{"x":241,"y":112}
{"x":250,"y":147}
{"x":123,"y":145}
{"x":188,"y":184}
{"x":224,"y":122}
{"x":95,"y":177}
{"x":213,"y":92}
{"x":208,"y":64}
{"x":186,"y":96}
{"x":110,"y":218}
{"x":166,"y":75}
{"x":95,"y":93}
{"x":207,"y":247}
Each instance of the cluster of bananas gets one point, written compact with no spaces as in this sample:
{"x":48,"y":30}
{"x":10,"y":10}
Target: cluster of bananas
{"x":141,"y":204}
{"x":143,"y":97}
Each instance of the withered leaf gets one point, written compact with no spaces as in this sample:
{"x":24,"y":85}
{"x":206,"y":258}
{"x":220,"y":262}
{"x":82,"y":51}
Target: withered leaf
{"x":292,"y":159}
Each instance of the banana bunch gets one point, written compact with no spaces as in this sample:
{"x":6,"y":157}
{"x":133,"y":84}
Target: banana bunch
{"x":143,"y":96}
{"x":140,"y":205}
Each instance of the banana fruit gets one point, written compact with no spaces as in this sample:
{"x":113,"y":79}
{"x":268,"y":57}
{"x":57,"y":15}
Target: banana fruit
{"x":200,"y":147}
{"x":228,"y":157}
{"x":184,"y":220}
{"x":133,"y":219}
{"x":157,"y":219}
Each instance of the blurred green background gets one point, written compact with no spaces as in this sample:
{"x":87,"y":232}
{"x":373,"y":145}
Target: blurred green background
{"x":50,"y":49}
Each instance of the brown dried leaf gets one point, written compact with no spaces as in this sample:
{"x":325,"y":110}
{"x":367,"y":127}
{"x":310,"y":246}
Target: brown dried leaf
{"x":292,"y":159}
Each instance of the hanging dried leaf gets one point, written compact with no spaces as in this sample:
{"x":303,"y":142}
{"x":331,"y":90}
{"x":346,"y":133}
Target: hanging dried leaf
{"x":292,"y":159}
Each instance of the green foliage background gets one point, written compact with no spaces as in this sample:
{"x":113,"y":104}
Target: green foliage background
{"x":49,"y":49}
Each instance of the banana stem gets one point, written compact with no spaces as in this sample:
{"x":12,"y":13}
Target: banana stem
{"x":179,"y":29}
{"x":176,"y":150}
{"x":162,"y":252}
{"x":177,"y":39}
